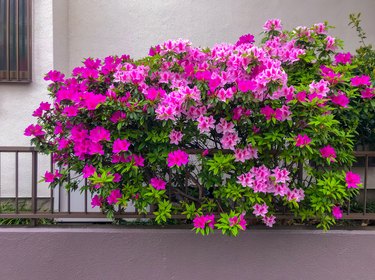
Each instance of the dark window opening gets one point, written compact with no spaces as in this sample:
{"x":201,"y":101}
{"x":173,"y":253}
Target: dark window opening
{"x":15,"y":40}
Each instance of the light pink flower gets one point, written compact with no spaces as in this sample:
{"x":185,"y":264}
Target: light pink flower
{"x":260,"y":209}
{"x":205,"y":124}
{"x":273,"y":24}
{"x":225,"y":127}
{"x":281,"y":175}
{"x":269,"y":220}
{"x":175,"y":136}
{"x":229,"y":140}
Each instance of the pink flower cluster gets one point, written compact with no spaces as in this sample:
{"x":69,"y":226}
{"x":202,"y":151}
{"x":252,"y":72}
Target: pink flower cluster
{"x":275,"y":181}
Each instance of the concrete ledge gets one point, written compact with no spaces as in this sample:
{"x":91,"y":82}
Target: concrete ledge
{"x":107,"y":253}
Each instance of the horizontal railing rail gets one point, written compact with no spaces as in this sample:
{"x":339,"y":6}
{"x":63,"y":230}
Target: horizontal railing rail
{"x":56,"y":209}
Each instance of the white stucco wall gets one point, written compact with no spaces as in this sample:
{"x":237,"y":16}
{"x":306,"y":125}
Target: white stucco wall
{"x":18,"y":101}
{"x":100,"y":28}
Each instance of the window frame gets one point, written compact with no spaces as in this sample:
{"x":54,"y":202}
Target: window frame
{"x":18,"y":76}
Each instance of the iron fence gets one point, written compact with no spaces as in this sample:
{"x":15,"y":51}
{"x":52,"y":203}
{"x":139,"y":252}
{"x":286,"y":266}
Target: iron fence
{"x":58,"y":204}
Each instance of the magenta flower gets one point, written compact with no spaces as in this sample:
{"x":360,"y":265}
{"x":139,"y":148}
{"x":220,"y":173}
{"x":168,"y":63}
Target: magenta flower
{"x":337,"y":212}
{"x":177,"y":158}
{"x":245,"y":39}
{"x":203,"y":221}
{"x":88,"y":171}
{"x":302,"y":140}
{"x":70,"y":111}
{"x":54,"y":76}
{"x":117,"y":178}
{"x":92,"y":100}
{"x":96,"y":201}
{"x":363,"y":80}
{"x":328,"y":152}
{"x":138,"y":160}
{"x":62,"y":144}
{"x":49,"y":177}
{"x":114,"y":196}
{"x":341,"y":99}
{"x":268,"y":112}
{"x":34,"y":130}
{"x":44,"y":106}
{"x":120,"y":146}
{"x":260,"y":209}
{"x":246,"y":85}
{"x":95,"y":148}
{"x":238,"y":221}
{"x":99,"y":133}
{"x":158,"y":184}
{"x":352,"y":179}
{"x":368,"y":93}
{"x":301,"y":96}
{"x":117,"y":116}
{"x":343,"y":58}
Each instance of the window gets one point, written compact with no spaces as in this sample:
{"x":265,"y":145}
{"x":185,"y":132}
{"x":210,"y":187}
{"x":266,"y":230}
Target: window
{"x":15,"y":40}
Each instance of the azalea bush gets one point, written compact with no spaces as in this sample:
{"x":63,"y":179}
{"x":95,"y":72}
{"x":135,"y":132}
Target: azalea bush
{"x":364,"y":59}
{"x":219,"y":135}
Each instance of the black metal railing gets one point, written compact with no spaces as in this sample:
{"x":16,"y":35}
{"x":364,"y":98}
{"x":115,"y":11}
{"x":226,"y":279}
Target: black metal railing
{"x":57,"y":208}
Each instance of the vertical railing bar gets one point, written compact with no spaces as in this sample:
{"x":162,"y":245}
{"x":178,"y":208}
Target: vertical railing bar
{"x":59,"y":192}
{"x":34,"y":184}
{"x":69,"y":189}
{"x":17,"y":39}
{"x":7,"y":7}
{"x":365,"y":186}
{"x":85,"y":195}
{"x":52,"y":199}
{"x":300,"y":172}
{"x":348,"y":206}
{"x":16,"y":201}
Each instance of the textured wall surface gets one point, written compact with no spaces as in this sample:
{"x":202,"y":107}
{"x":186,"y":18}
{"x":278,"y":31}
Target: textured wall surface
{"x":18,"y":101}
{"x":99,"y":28}
{"x":106,"y":254}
